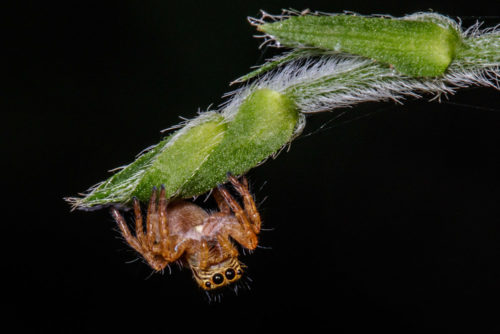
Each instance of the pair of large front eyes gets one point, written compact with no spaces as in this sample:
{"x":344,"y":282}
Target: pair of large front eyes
{"x":219,"y":278}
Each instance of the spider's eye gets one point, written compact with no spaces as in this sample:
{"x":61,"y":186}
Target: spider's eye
{"x":230,"y":274}
{"x":239,"y":272}
{"x":208,"y":284}
{"x":218,"y":279}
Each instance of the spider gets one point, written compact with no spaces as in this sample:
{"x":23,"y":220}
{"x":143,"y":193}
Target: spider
{"x":181,"y":230}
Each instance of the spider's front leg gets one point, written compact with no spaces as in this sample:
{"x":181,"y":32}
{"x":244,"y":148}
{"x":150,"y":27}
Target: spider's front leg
{"x":155,"y":244}
{"x":246,"y":231}
{"x":248,"y":201}
{"x":247,"y":216}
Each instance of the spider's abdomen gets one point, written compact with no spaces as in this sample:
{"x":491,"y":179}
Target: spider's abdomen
{"x":185,"y":218}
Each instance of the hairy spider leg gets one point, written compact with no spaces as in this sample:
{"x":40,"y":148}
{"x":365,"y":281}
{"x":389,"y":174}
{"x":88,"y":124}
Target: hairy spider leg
{"x":248,"y":201}
{"x":166,"y":240}
{"x":157,"y":247}
{"x":139,"y":230}
{"x":140,"y":246}
{"x":244,"y":233}
{"x":221,"y":203}
{"x":164,"y":247}
{"x":150,"y":219}
{"x":235,"y":207}
{"x":122,"y":225}
{"x":157,"y":212}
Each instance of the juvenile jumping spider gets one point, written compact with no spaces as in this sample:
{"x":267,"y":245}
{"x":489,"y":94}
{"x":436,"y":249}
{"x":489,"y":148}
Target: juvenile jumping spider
{"x":181,"y":230}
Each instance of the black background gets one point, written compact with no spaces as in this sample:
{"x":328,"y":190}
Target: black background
{"x":385,"y":218}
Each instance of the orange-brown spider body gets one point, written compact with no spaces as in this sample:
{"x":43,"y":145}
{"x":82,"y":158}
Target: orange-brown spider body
{"x":182,"y":231}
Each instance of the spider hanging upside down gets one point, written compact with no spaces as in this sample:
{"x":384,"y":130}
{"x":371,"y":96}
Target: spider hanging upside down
{"x":181,"y":230}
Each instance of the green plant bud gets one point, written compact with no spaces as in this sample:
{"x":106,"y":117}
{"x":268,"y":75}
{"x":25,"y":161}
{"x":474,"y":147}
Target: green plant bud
{"x":197,"y":157}
{"x":417,"y":46}
{"x":264,"y":123}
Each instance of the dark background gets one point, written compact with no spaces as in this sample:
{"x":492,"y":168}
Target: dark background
{"x":386,"y":217}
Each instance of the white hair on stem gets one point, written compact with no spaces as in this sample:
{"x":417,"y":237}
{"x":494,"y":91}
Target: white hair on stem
{"x":327,"y":82}
{"x":318,"y":80}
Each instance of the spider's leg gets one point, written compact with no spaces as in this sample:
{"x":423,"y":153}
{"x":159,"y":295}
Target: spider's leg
{"x":164,"y":248}
{"x":122,"y":224}
{"x":163,"y":226}
{"x":151,"y":219}
{"x":221,"y":203}
{"x":248,"y":201}
{"x":151,"y":252}
{"x":158,"y":210}
{"x":243,"y":233}
{"x":235,"y":207}
{"x":158,"y":263}
{"x":139,"y":231}
{"x":141,"y":245}
{"x":245,"y":236}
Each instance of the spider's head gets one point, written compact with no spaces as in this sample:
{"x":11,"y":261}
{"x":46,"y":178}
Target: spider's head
{"x":218,"y":275}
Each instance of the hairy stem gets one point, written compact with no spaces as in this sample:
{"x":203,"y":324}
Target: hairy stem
{"x":335,"y":61}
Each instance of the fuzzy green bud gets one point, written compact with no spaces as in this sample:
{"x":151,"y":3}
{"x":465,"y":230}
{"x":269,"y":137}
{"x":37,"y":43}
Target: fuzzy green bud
{"x":197,"y":158}
{"x":422,"y":46}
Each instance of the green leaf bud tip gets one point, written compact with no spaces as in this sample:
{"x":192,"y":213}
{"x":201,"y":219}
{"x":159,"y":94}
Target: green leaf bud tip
{"x":264,"y":123}
{"x":418,"y":45}
{"x":197,"y":158}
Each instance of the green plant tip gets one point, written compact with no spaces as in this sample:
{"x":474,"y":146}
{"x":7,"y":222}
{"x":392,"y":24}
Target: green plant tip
{"x":197,"y":157}
{"x":420,"y":47}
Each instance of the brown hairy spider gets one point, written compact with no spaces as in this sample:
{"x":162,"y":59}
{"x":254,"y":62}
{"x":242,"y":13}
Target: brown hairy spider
{"x":181,"y":230}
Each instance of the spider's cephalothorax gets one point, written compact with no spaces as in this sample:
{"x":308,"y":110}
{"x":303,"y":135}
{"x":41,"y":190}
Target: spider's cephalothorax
{"x":181,"y":230}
